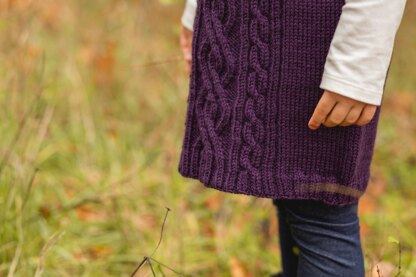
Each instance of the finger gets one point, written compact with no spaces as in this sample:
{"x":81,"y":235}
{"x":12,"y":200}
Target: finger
{"x":186,"y":51}
{"x":323,"y":108}
{"x":188,"y":55}
{"x":352,"y":116}
{"x":338,"y":114}
{"x":366,"y":115}
{"x":188,"y":60}
{"x":182,"y":39}
{"x":186,"y":47}
{"x":188,"y":68}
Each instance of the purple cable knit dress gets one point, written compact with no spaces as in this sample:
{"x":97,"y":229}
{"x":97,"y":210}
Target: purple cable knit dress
{"x":254,"y":85}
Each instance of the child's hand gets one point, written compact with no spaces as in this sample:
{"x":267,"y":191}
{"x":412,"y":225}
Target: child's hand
{"x":335,"y":109}
{"x":186,"y":46}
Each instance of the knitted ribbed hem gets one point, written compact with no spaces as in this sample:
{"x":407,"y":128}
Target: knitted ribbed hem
{"x":325,"y":189}
{"x":253,"y":86}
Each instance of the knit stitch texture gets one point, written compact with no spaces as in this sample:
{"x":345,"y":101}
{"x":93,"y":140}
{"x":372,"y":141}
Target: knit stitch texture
{"x":254,"y":85}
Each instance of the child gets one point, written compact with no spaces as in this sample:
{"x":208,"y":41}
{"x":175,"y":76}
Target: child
{"x":284,"y":103}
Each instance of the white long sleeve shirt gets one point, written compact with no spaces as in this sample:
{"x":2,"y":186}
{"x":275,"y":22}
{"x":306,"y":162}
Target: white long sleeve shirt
{"x":361,"y":49}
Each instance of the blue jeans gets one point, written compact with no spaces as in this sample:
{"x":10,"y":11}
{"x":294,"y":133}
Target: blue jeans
{"x":318,"y":239}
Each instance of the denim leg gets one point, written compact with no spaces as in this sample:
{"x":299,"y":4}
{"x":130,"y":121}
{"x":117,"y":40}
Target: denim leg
{"x":328,"y":238}
{"x":289,"y":258}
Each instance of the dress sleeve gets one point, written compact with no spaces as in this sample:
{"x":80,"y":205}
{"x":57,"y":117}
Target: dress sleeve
{"x":188,"y":14}
{"x":361,"y":50}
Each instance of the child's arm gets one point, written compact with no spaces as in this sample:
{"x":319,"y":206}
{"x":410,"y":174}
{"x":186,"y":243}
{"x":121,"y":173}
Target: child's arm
{"x":187,"y":20}
{"x":361,"y":49}
{"x":188,"y":15}
{"x":357,"y":63}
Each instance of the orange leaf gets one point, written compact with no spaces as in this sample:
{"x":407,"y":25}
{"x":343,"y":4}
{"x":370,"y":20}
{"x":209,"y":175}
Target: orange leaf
{"x":237,"y":268}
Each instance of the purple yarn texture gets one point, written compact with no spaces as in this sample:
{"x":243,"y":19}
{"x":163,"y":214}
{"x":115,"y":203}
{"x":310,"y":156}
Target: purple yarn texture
{"x":254,"y":84}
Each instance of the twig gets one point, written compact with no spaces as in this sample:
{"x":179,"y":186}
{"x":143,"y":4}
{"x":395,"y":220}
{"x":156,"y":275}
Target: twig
{"x":161,"y":231}
{"x":151,"y":267}
{"x":156,"y":63}
{"x":48,"y":245}
{"x":171,"y":269}
{"x":399,"y":266}
{"x":149,"y":258}
{"x":378,"y":271}
{"x":157,"y":246}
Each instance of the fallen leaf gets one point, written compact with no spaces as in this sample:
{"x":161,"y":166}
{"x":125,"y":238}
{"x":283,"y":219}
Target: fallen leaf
{"x":237,"y":268}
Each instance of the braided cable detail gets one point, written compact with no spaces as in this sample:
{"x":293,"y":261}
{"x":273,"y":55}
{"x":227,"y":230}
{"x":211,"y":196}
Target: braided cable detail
{"x":218,"y":67}
{"x":255,"y":105}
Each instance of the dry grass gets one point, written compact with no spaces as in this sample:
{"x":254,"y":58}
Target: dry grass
{"x":92,"y":106}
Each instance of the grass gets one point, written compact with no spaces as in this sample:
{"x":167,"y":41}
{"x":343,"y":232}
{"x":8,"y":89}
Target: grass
{"x":92,"y":107}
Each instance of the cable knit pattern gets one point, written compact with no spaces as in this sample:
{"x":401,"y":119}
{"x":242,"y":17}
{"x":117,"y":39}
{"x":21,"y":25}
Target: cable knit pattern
{"x":254,"y":85}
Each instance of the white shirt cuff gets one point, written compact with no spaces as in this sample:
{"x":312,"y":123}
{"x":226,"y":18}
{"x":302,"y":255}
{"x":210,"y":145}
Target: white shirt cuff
{"x":361,"y":49}
{"x":188,"y":15}
{"x":351,"y":90}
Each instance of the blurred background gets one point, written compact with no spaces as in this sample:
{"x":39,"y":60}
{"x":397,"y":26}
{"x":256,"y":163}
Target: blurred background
{"x":92,"y":112}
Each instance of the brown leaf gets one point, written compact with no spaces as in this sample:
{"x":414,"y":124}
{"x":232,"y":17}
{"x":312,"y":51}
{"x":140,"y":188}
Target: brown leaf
{"x":237,"y":269}
{"x":104,"y":64}
{"x":367,"y":204}
{"x":377,"y":185}
{"x":88,"y":212}
{"x":99,"y":251}
{"x":214,"y":201}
